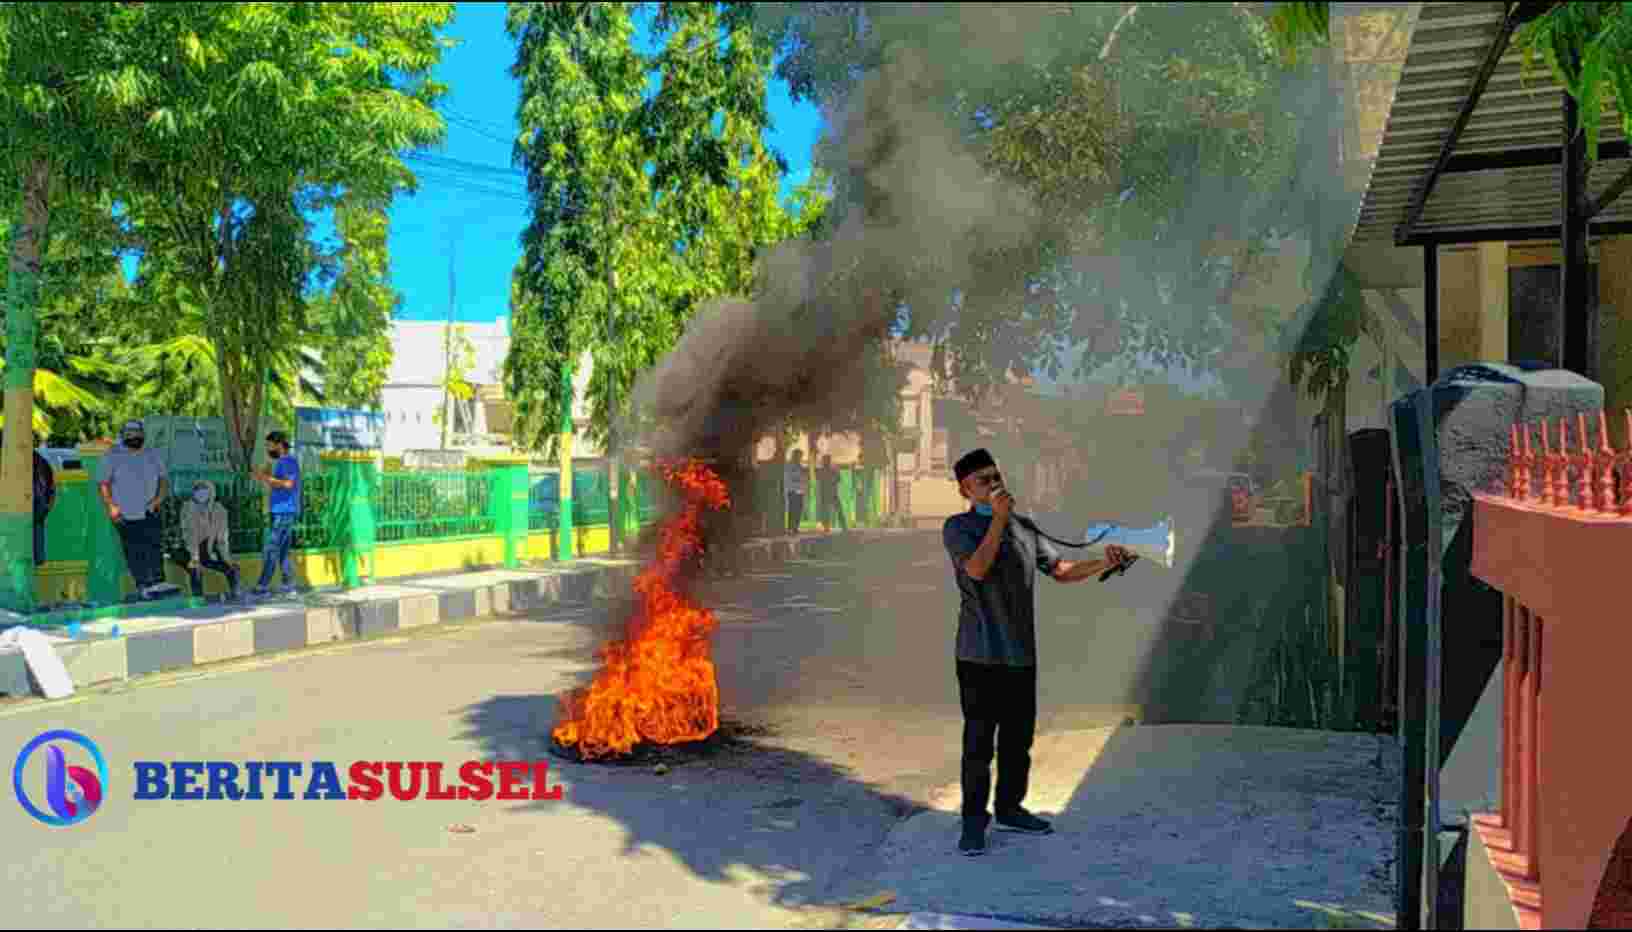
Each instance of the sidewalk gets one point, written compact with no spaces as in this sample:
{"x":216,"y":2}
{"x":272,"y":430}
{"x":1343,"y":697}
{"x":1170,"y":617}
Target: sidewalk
{"x":1167,"y":826}
{"x":192,"y":637}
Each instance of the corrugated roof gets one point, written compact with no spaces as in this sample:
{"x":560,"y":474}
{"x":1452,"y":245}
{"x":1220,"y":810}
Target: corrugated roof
{"x":1516,"y":112}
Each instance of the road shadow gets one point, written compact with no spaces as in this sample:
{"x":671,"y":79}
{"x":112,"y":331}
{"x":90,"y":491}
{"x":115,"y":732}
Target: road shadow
{"x":850,"y":654}
{"x":781,"y":822}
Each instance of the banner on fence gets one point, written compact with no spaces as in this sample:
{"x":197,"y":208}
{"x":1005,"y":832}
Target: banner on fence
{"x":193,"y":443}
{"x":321,"y":430}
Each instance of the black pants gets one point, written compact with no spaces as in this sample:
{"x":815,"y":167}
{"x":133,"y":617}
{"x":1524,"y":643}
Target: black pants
{"x":796,"y":511}
{"x":142,"y":554}
{"x":998,"y":702}
{"x":208,"y":562}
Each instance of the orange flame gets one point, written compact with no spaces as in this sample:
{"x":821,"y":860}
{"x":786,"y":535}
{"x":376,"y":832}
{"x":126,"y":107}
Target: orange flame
{"x":657,"y":683}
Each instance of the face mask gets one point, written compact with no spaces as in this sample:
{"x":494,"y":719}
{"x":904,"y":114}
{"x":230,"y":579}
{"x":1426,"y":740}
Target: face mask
{"x":134,"y":443}
{"x":981,"y":508}
{"x":202,"y":496}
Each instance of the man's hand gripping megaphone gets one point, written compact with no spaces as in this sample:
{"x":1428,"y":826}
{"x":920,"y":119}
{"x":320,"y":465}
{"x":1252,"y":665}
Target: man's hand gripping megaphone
{"x":1120,"y":557}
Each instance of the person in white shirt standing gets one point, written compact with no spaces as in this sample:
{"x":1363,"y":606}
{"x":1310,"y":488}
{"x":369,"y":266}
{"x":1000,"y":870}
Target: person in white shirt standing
{"x":795,"y":484}
{"x":134,"y":483}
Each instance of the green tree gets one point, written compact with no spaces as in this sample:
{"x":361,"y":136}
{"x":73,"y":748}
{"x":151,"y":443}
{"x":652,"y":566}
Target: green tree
{"x":353,"y":320}
{"x":1154,"y":138}
{"x":583,"y":147}
{"x":82,"y":335}
{"x":275,"y":111}
{"x":459,"y":356}
{"x":73,"y":81}
{"x":644,"y":205}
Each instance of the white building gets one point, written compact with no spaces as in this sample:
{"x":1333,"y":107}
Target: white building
{"x":413,"y":394}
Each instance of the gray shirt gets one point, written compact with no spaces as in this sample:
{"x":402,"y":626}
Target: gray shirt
{"x":135,"y":476}
{"x":796,"y":480}
{"x":997,"y":621}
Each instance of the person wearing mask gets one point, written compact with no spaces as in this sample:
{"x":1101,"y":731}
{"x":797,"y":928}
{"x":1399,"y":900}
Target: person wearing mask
{"x":995,"y":564}
{"x":832,"y":506}
{"x":133,"y":482}
{"x":795,"y":483}
{"x":204,"y":531}
{"x":283,"y":508}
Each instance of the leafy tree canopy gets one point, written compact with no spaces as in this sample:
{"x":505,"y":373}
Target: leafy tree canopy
{"x":1156,"y":141}
{"x":645,"y":203}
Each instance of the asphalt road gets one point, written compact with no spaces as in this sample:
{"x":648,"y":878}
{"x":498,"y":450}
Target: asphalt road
{"x":846,"y":663}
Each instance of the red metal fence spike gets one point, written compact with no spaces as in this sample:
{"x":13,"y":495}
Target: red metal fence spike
{"x":1626,"y":470}
{"x":1513,"y":462}
{"x":1606,"y":466}
{"x":1548,"y":465}
{"x":1527,"y":464}
{"x":1584,"y":485}
{"x":1561,"y":471}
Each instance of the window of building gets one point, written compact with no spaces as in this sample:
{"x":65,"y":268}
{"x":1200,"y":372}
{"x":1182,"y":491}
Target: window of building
{"x":937,"y":449}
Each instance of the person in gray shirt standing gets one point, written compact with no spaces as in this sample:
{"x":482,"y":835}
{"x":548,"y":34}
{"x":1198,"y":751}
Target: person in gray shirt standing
{"x":795,"y":483}
{"x":995,"y":565}
{"x":134,"y":484}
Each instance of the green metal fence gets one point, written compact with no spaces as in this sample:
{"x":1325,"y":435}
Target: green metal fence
{"x":416,"y":505}
{"x":434,"y":505}
{"x":590,"y":501}
{"x":543,"y":500}
{"x":245,"y":502}
{"x":242,"y":497}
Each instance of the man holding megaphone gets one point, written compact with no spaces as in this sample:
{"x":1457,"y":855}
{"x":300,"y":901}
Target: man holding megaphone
{"x":996,"y":555}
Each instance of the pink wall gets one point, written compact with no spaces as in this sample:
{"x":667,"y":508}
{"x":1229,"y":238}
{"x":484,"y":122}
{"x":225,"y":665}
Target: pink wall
{"x":1560,"y":569}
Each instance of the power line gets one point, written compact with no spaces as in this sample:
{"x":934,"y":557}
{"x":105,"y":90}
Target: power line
{"x":480,"y":131}
{"x":442,"y":161}
{"x":456,"y":115}
{"x":472,"y":187}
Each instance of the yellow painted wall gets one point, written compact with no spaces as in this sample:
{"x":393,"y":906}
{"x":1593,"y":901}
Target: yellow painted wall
{"x":64,"y":580}
{"x":595,"y":538}
{"x":413,"y":559}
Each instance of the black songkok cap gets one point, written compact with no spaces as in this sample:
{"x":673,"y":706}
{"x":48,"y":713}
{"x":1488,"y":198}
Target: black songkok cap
{"x":973,"y":460}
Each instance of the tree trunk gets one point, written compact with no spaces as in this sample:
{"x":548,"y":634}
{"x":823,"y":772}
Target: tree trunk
{"x":17,"y":462}
{"x":242,"y":414}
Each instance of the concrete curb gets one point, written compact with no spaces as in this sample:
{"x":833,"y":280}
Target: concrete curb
{"x":161,"y":644}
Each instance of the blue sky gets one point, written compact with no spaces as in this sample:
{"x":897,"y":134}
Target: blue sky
{"x":471,"y":206}
{"x":480,"y":213}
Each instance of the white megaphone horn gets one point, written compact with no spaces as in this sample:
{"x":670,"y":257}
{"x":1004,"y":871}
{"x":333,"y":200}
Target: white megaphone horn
{"x":1155,"y":543}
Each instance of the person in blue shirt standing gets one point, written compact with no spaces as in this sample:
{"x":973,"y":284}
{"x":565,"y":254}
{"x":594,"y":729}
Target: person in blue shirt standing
{"x":283,"y":507}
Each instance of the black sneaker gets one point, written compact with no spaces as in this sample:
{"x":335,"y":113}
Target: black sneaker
{"x":973,"y":842}
{"x":1022,"y":821}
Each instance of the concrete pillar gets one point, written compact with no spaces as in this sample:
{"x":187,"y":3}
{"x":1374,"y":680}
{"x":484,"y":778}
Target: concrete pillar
{"x":104,"y":554}
{"x":1615,"y":330}
{"x":509,"y":502}
{"x":1492,"y":310}
{"x":356,"y":489}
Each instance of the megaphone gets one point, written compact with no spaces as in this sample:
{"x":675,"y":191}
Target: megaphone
{"x":1155,"y":543}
